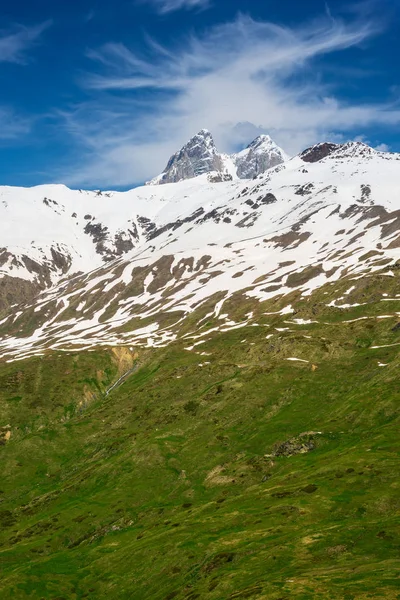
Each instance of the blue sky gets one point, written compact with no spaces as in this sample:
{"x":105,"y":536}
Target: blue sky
{"x":98,"y":94}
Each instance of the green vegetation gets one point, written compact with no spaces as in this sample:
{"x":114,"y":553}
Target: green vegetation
{"x":251,"y":476}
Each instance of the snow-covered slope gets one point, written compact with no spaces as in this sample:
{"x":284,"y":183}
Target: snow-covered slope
{"x":39,"y":223}
{"x":200,"y":156}
{"x":192,"y":246}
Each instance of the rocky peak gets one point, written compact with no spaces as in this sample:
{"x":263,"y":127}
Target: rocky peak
{"x":200,"y":155}
{"x":355,"y":150}
{"x":260,"y":155}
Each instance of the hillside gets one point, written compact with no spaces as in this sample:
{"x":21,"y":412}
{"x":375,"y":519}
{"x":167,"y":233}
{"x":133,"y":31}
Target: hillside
{"x":199,"y":392}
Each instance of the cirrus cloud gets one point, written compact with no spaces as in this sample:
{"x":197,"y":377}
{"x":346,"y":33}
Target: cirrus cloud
{"x":17,"y":40}
{"x":240,"y":77}
{"x":15,"y":43}
{"x":169,"y":6}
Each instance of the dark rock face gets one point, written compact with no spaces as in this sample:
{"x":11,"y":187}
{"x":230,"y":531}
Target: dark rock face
{"x":123,"y":243}
{"x":60,"y":260}
{"x":365,"y":193}
{"x":109,"y":248}
{"x":146,"y":225}
{"x":318,"y":152}
{"x":305,"y":190}
{"x":219,"y":177}
{"x":5,"y":256}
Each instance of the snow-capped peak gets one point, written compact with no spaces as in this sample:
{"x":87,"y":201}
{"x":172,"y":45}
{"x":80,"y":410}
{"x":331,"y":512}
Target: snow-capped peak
{"x":262,"y":154}
{"x":204,"y":139}
{"x":262,"y":141}
{"x":200,"y":155}
{"x":355,"y":149}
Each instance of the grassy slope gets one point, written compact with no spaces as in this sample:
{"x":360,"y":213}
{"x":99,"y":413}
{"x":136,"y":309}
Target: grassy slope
{"x":162,"y":490}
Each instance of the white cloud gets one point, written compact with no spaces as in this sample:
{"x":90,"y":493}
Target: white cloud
{"x":382,"y":148}
{"x":168,"y":6}
{"x":240,"y":78}
{"x":15,"y":42}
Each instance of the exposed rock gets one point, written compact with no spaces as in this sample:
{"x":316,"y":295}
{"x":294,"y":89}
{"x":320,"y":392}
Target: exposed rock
{"x":219,"y":177}
{"x":297,"y":445}
{"x":5,"y":256}
{"x":60,"y":260}
{"x":258,"y":157}
{"x":109,"y":248}
{"x":365,"y":193}
{"x":5,"y":434}
{"x":318,"y":152}
{"x":304,"y":190}
{"x":14,"y":290}
{"x":200,"y":156}
{"x":197,"y":157}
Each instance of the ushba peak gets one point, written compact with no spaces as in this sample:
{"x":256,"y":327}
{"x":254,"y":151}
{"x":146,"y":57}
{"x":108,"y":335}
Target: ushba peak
{"x":200,"y":155}
{"x":259,"y":156}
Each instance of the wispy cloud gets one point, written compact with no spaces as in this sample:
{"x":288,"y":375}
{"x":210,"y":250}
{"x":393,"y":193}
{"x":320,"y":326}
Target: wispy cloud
{"x":383,"y":147}
{"x":11,"y":125}
{"x":89,"y":16}
{"x":168,"y":6}
{"x":15,"y":44}
{"x":239,"y":78}
{"x":17,"y":41}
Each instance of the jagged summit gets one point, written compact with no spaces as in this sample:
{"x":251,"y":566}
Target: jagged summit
{"x":202,"y":140}
{"x":260,"y":155}
{"x":200,"y":155}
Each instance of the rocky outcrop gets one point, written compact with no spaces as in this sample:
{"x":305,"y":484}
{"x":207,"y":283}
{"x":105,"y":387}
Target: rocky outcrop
{"x":318,"y":152}
{"x":301,"y":444}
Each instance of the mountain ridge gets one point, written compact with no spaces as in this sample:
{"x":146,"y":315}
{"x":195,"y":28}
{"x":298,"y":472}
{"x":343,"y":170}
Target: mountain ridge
{"x":171,"y":249}
{"x":200,"y":155}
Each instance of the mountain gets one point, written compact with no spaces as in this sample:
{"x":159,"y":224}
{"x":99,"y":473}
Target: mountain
{"x":199,"y":385}
{"x":90,"y":274}
{"x":200,"y":156}
{"x":197,"y":157}
{"x":258,"y":157}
